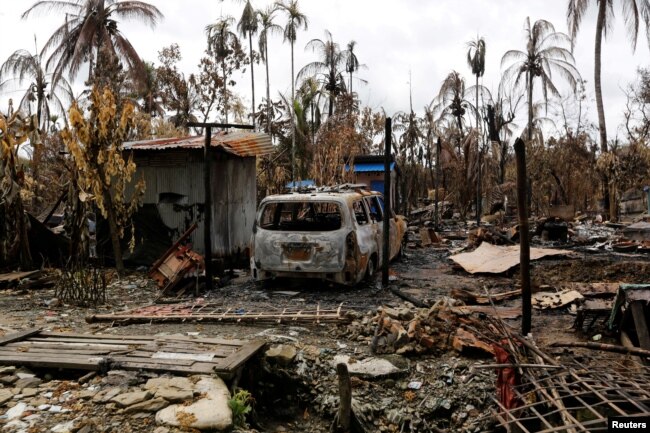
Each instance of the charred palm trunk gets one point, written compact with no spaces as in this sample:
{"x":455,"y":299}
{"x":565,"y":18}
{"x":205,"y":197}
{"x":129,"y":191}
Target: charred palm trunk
{"x":225,"y":89}
{"x":293,"y":122}
{"x":250,"y":46}
{"x":268,"y":91}
{"x":478,"y":163}
{"x":608,"y":186}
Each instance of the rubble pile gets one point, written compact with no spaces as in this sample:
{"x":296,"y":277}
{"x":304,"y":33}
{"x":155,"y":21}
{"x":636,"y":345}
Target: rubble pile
{"x":389,"y":392}
{"x":121,"y":401}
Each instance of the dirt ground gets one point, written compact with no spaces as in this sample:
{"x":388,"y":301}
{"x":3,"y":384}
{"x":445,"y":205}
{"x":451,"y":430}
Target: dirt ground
{"x":431,"y":392}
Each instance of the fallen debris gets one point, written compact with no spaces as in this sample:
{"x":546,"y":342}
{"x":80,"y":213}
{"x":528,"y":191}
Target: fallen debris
{"x":571,"y":398}
{"x":604,"y":347}
{"x":177,"y":262}
{"x":493,"y":259}
{"x":550,"y":300}
{"x":207,"y":312}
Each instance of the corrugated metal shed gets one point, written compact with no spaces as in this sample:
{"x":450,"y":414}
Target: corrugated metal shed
{"x":240,"y":143}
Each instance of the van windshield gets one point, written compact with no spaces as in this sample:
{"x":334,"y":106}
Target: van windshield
{"x":308,"y":216}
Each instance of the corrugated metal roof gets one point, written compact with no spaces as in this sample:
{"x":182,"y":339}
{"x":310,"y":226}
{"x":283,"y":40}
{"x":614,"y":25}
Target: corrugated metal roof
{"x":240,"y":143}
{"x":364,"y":167}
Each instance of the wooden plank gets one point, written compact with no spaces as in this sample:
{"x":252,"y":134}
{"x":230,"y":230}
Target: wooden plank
{"x":640,"y":324}
{"x":8,"y":350}
{"x":18,"y":336}
{"x":17,"y":276}
{"x":71,"y":346}
{"x":87,"y":341}
{"x":242,"y":355}
{"x":149,"y":360}
{"x":71,"y":362}
{"x":97,"y":336}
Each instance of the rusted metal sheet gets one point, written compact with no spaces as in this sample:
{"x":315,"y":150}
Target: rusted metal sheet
{"x":176,"y":189}
{"x":493,"y":259}
{"x":240,"y":143}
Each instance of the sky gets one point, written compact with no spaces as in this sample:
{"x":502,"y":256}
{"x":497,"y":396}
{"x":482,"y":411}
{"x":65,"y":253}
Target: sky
{"x":420,"y":41}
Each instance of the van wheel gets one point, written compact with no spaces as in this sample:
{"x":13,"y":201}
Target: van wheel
{"x":372,"y":267}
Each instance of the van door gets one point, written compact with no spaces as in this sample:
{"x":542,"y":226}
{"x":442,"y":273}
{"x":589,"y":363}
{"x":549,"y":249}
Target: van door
{"x":366,"y":236}
{"x":377,"y":219}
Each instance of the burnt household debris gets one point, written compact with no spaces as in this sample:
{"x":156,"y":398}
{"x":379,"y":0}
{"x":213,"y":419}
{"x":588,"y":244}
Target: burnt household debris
{"x":298,"y":333}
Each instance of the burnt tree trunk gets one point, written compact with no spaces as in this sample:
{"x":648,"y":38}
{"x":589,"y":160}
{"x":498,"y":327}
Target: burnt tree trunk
{"x":524,"y":246}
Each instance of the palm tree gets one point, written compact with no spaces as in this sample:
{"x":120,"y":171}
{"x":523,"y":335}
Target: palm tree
{"x":451,"y":100}
{"x":476,"y":61}
{"x":632,"y":9}
{"x":89,"y":27}
{"x":267,"y":27}
{"x":295,"y":20}
{"x":351,"y":61}
{"x":331,"y":61}
{"x":49,"y":96}
{"x":148,"y":94}
{"x":543,"y":56}
{"x":248,"y":27}
{"x":221,"y":40}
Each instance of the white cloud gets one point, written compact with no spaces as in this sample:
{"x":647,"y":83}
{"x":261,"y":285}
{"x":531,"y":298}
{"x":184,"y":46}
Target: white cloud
{"x":424,"y":36}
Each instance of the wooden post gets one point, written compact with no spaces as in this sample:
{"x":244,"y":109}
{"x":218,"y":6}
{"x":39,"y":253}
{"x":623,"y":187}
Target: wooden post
{"x":207,"y":232}
{"x":207,"y":229}
{"x":524,"y":246}
{"x":345,"y":396}
{"x":387,"y":202}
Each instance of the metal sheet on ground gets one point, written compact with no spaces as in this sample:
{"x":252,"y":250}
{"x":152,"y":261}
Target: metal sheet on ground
{"x":493,"y":259}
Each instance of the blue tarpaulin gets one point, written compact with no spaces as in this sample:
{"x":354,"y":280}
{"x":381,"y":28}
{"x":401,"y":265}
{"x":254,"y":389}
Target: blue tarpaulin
{"x":364,"y":167}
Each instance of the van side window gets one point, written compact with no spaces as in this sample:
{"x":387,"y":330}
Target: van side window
{"x":376,"y":213}
{"x":381,"y":204}
{"x":360,"y":212}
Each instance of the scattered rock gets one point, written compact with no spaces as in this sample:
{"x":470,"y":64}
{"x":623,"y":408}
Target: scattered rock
{"x":369,"y":367}
{"x":66,"y":427}
{"x":27,"y":382}
{"x":29,"y":392}
{"x":283,"y":354}
{"x":106,"y":395}
{"x":120,"y":378}
{"x":8,"y":380}
{"x":17,"y":411}
{"x":153,"y":405}
{"x":131,"y":398}
{"x":174,"y":395}
{"x":5,"y":396}
{"x":7,"y":370}
{"x":86,"y":394}
{"x":209,"y":413}
{"x":169,"y":382}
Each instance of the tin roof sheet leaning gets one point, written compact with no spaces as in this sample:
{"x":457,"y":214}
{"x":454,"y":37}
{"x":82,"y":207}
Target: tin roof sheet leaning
{"x":239,"y":143}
